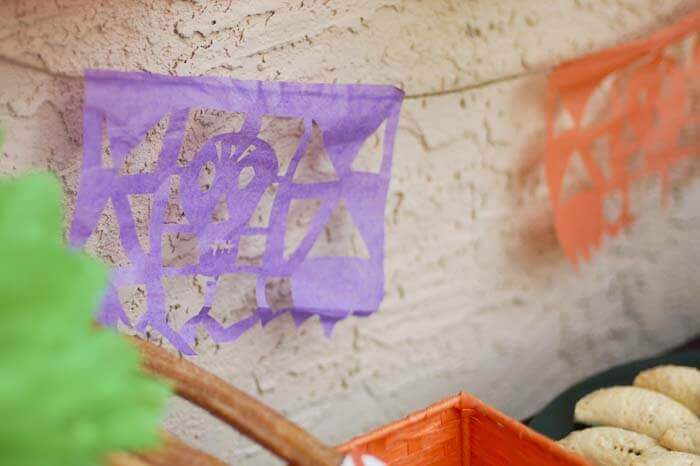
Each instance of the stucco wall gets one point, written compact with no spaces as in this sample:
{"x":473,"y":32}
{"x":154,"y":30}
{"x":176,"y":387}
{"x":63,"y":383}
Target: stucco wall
{"x":478,"y":295}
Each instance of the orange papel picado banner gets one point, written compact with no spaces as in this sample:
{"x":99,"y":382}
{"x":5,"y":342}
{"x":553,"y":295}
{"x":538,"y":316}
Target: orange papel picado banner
{"x":615,"y":117}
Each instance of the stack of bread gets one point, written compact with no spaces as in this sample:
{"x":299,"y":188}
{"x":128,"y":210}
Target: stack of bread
{"x":654,"y":422}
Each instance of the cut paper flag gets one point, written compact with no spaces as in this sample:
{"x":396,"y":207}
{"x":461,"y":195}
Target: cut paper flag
{"x":614,"y":118}
{"x":234,"y":183}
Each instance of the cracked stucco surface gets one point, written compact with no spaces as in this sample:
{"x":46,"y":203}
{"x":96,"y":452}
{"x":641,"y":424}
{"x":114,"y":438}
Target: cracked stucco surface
{"x":478,"y":295}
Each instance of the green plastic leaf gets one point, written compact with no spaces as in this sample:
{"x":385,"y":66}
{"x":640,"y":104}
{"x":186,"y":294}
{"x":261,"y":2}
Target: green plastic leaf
{"x":69,"y":394}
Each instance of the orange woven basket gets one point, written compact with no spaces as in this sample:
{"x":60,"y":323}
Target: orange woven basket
{"x":461,"y":431}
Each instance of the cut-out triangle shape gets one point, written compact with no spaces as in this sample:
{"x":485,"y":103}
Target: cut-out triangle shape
{"x":143,"y":157}
{"x":246,"y":152}
{"x":563,"y":120}
{"x":299,"y":220}
{"x":283,"y":135}
{"x":315,"y":165}
{"x":369,"y":157}
{"x":174,"y":213}
{"x":575,"y":177}
{"x":575,"y":102}
{"x":260,"y":217}
{"x":105,"y":241}
{"x":141,"y":205}
{"x":207,"y":174}
{"x":601,"y":154}
{"x":217,"y":148}
{"x":133,"y":301}
{"x":612,"y":206}
{"x":340,"y":236}
{"x":245,"y":177}
{"x":598,"y":102}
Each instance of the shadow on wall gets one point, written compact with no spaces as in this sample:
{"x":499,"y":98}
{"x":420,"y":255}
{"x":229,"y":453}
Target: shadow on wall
{"x":537,"y":245}
{"x":66,"y":96}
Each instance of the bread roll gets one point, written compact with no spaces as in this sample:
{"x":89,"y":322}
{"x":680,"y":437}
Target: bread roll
{"x":682,"y":438}
{"x":632,"y":408}
{"x":670,"y":458}
{"x":678,"y":382}
{"x":609,"y":446}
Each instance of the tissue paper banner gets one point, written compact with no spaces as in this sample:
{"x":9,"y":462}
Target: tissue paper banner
{"x":614,"y":118}
{"x":228,"y":202}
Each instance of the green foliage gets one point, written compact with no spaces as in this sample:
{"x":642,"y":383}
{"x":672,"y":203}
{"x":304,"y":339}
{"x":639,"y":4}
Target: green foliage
{"x":68,"y":393}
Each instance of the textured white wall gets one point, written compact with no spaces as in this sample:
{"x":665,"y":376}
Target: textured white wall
{"x":478,"y":295}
